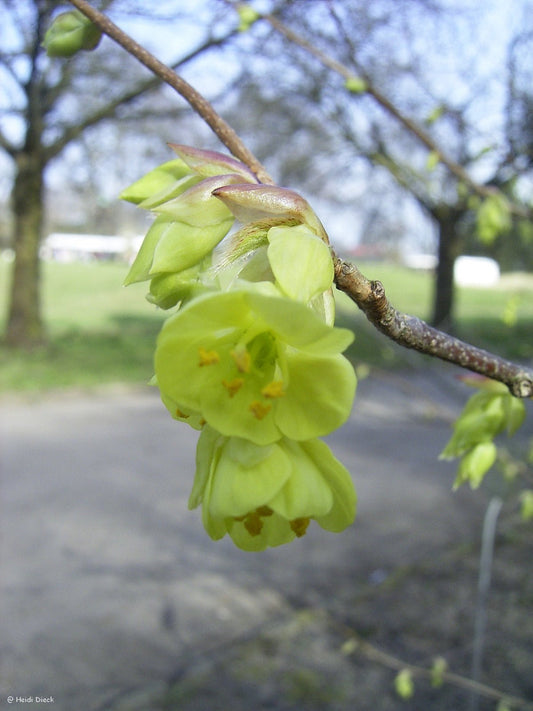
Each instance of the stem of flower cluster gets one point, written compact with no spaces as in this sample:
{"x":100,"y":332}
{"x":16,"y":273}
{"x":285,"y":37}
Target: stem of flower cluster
{"x":197,"y":102}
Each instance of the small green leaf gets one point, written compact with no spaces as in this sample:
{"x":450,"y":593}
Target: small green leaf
{"x":349,"y":647}
{"x":515,"y":413}
{"x":526,"y":503}
{"x":435,"y":114}
{"x":510,"y":315}
{"x":462,"y":190}
{"x":404,"y":684}
{"x":433,"y":160}
{"x":437,"y":671}
{"x":474,"y":465}
{"x":471,"y":429}
{"x":247,"y":17}
{"x":356,"y":85}
{"x":493,"y":218}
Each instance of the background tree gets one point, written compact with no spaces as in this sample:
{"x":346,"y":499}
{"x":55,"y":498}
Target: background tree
{"x":427,"y":69}
{"x":48,"y":105}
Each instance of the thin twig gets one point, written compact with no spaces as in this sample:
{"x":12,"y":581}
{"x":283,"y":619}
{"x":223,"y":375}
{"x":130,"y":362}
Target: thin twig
{"x":202,"y":107}
{"x":423,"y":136}
{"x":356,"y":644}
{"x":412,"y":332}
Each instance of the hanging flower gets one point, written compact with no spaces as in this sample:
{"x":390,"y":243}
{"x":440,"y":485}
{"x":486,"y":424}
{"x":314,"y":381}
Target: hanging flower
{"x":256,"y":365}
{"x":267,"y":495}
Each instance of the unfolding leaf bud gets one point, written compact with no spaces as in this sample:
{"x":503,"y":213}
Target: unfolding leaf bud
{"x":404,"y":685}
{"x":247,"y":17}
{"x":160,"y":184}
{"x":210,"y":163}
{"x":250,"y":203}
{"x":69,"y":33}
{"x":356,"y":85}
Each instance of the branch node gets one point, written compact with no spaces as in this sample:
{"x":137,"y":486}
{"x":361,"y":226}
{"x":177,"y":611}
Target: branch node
{"x":521,"y":386}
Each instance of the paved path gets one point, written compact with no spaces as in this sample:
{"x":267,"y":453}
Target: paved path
{"x":109,"y":584}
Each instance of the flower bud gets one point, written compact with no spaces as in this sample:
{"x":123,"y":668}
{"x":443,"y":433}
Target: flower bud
{"x":69,"y":33}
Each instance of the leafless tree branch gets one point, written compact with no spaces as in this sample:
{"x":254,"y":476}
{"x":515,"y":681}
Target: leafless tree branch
{"x":412,"y":332}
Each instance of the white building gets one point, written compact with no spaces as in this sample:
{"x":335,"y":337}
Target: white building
{"x":66,"y":247}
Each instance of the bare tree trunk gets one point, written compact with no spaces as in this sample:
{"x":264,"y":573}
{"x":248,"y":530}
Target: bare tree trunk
{"x":449,"y":249}
{"x":25,"y":326}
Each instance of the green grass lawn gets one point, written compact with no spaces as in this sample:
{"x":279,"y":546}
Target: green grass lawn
{"x":100,"y":332}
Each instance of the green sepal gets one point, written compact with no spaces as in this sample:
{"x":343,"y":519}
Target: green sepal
{"x":482,"y":418}
{"x":180,"y":412}
{"x":331,"y":396}
{"x":241,"y":485}
{"x":475,"y":427}
{"x":306,"y":493}
{"x":172,"y":191}
{"x":486,"y":414}
{"x":299,"y":327}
